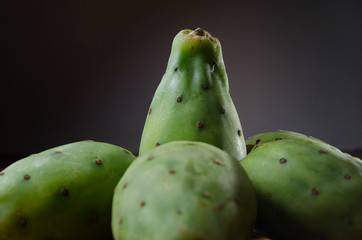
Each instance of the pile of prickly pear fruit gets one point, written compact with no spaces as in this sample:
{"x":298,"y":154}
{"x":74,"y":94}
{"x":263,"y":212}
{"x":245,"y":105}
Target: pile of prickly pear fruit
{"x":195,"y":177}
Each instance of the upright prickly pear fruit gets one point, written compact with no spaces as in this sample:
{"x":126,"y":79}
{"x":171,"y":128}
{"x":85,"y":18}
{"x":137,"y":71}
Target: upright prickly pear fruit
{"x":192,"y":101}
{"x":306,"y":189}
{"x":182,"y":191}
{"x":62,"y":193}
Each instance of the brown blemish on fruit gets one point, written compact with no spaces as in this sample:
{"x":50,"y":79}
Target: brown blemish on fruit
{"x":94,"y":217}
{"x":175,"y":69}
{"x":150,"y":157}
{"x":58,"y":152}
{"x":217,"y":161}
{"x":172,"y":171}
{"x":64,"y":192}
{"x":322,"y":151}
{"x":124,"y":185}
{"x":179,"y":99}
{"x":157,"y":144}
{"x":257,"y":141}
{"x":315,"y":191}
{"x":149,"y":111}
{"x":179,"y":212}
{"x":269,"y":195}
{"x":190,"y":143}
{"x":142,"y":203}
{"x":223,"y":111}
{"x":22,"y":222}
{"x":120,"y":221}
{"x":282,"y":160}
{"x":278,"y":138}
{"x":200,"y":125}
{"x":348,"y":221}
{"x":192,"y":48}
{"x":180,"y":231}
{"x":206,"y":195}
{"x":26,"y":177}
{"x":98,"y":161}
{"x":240,"y":133}
{"x":347,"y":176}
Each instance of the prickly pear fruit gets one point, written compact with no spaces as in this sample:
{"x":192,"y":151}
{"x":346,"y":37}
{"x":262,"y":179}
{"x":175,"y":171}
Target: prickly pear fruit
{"x":62,"y":193}
{"x":182,"y":191}
{"x":306,"y":189}
{"x":192,"y":101}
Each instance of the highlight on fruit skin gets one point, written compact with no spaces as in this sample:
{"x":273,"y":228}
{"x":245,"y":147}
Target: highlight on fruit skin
{"x":192,"y":101}
{"x":306,"y":188}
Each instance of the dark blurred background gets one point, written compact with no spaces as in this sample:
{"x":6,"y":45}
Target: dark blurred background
{"x":76,"y":70}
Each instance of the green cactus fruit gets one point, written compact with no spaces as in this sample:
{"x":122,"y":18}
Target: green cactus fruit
{"x":192,"y":101}
{"x":306,"y":188}
{"x":62,"y":193}
{"x":184,"y":191}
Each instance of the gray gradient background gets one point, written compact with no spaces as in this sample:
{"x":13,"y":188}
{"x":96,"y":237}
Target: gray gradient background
{"x":76,"y":70}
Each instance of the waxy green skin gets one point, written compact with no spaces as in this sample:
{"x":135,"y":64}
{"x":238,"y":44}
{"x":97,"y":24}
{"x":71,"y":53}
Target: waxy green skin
{"x":184,"y":191}
{"x":192,"y":101}
{"x":62,"y":193}
{"x":306,"y":188}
